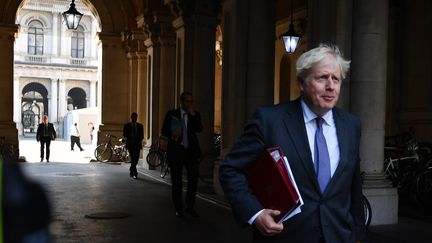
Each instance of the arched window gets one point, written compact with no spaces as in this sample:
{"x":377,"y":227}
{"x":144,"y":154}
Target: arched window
{"x":35,"y":38}
{"x":77,"y":48}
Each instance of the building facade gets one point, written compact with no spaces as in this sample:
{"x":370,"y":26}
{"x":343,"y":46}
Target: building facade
{"x":229,"y":54}
{"x":55,"y":69}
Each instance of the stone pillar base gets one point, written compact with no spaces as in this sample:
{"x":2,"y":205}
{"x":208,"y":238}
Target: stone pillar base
{"x":383,"y":199}
{"x":9,"y":132}
{"x":113,"y":129}
{"x":216,"y":183}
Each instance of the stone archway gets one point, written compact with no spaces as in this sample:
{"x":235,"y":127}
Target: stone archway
{"x":34,"y":104}
{"x":114,"y":17}
{"x":77,"y":99}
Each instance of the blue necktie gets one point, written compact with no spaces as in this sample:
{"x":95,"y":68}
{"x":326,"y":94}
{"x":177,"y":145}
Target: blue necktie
{"x":185,"y":140}
{"x":322,"y":158}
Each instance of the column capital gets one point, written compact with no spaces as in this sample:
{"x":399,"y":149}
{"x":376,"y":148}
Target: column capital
{"x":8,"y":32}
{"x":158,"y":26}
{"x":54,"y":79}
{"x":110,"y":39}
{"x":133,"y":41}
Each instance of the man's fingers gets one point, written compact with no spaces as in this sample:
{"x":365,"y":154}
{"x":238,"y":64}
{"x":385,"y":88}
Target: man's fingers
{"x":266,"y":223}
{"x":274,"y":212}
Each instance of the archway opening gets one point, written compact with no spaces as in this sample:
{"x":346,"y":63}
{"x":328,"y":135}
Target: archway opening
{"x":76,"y":99}
{"x":56,"y":70}
{"x":34,"y":104}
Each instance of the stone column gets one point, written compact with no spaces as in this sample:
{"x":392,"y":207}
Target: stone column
{"x":62,"y":99}
{"x":195,"y":25}
{"x":248,"y":63}
{"x":161,"y":55}
{"x":185,"y":35}
{"x":132,"y":81}
{"x":61,"y":106}
{"x":330,"y":22}
{"x":17,"y":106}
{"x":143,"y":93}
{"x":7,"y":125}
{"x":368,"y":92}
{"x":55,"y":27}
{"x":114,"y":92}
{"x":53,"y":114}
{"x":93,"y":85}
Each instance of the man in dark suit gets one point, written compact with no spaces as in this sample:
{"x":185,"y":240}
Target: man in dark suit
{"x":45,"y":133}
{"x":180,"y":127}
{"x":321,"y":143}
{"x":134,"y":134}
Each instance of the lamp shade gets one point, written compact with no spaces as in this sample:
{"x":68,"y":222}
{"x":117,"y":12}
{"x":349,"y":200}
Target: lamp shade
{"x":291,"y":39}
{"x":72,"y":17}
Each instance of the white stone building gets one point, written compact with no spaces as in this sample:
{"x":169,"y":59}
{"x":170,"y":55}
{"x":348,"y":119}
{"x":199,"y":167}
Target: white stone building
{"x":55,"y":69}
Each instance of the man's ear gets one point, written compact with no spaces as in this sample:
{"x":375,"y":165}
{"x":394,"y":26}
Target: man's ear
{"x":301,"y":84}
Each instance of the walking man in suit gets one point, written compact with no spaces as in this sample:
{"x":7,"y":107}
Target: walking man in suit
{"x":180,"y":127}
{"x":321,"y":143}
{"x":45,"y":133}
{"x":134,"y":134}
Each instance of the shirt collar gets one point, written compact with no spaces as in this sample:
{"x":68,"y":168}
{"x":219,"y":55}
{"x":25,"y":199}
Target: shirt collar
{"x":309,"y":115}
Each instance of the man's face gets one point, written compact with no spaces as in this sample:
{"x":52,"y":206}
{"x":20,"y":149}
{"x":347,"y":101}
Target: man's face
{"x":321,"y":88}
{"x":134,"y":118}
{"x":45,"y":120}
{"x":187,"y":102}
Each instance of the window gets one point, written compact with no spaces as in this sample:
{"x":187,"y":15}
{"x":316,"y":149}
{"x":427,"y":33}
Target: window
{"x":77,"y":48}
{"x":35,"y":38}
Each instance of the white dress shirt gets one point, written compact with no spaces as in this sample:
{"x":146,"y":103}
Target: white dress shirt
{"x":74,"y":131}
{"x":329,"y":130}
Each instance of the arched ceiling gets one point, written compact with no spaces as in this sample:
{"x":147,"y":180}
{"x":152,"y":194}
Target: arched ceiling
{"x":114,"y":16}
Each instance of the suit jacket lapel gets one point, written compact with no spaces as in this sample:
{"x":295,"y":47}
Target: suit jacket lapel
{"x":343,"y":147}
{"x":294,"y":122}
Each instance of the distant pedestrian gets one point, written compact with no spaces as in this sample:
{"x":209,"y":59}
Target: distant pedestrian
{"x":75,"y":137}
{"x":134,"y":134}
{"x":45,"y":133}
{"x":91,"y":127}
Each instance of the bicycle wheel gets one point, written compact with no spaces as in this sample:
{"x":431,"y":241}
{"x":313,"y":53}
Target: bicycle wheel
{"x":367,"y":209}
{"x":164,"y":169}
{"x":103,"y":153}
{"x":125,"y":156}
{"x":424,"y":187}
{"x":154,"y":158}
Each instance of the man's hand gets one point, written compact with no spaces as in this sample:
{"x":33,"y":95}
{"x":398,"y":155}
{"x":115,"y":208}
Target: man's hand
{"x":176,"y":133}
{"x":191,"y":111}
{"x":265,"y":222}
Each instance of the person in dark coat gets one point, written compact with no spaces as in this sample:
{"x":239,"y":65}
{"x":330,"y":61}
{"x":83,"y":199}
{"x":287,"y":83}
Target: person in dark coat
{"x":321,"y":144}
{"x":45,"y":134}
{"x":134,"y":134}
{"x":180,"y":127}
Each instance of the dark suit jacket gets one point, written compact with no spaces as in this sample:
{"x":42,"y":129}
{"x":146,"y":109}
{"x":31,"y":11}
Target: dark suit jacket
{"x":337,"y":211}
{"x":194,"y":126}
{"x":133,"y":141}
{"x":40,"y":131}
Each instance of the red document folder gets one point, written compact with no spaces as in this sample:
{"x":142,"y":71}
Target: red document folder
{"x":272,"y":185}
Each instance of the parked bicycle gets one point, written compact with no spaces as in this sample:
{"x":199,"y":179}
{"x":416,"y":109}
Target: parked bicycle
{"x":157,"y":156}
{"x":367,"y":209}
{"x":408,"y":165}
{"x":105,"y":151}
{"x":423,"y":186}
